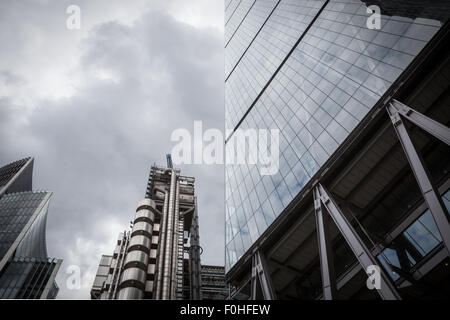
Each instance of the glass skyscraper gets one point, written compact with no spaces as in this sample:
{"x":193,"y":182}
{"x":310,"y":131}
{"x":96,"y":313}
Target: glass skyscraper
{"x":319,"y":72}
{"x":25,"y":270}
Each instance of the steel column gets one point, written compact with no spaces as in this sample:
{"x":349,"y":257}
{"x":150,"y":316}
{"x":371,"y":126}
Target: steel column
{"x":387,"y":290}
{"x":260,"y":273}
{"x":325,"y":250}
{"x":194,"y":257}
{"x":429,"y":191}
{"x":431,"y":126}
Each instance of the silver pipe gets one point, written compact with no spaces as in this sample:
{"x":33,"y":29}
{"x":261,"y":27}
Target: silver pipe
{"x":162,"y":239}
{"x":175,"y":242}
{"x":169,"y":240}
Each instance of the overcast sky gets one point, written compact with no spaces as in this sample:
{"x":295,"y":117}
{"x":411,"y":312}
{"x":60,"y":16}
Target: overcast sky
{"x":96,"y":107}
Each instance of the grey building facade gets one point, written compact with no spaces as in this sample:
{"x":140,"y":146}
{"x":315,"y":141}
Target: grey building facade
{"x":363,"y":175}
{"x":26,"y":272}
{"x":160,"y":257}
{"x":213,"y":283}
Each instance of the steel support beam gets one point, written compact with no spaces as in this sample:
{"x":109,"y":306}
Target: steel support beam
{"x":429,"y":191}
{"x":386,"y":289}
{"x":431,"y":126}
{"x":194,"y":258}
{"x":260,"y":273}
{"x":325,"y":250}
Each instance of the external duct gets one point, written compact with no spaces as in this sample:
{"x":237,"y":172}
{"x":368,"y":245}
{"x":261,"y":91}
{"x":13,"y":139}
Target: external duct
{"x":169,"y":239}
{"x":175,"y":241}
{"x":194,"y":261}
{"x":162,"y":240}
{"x":134,"y":276}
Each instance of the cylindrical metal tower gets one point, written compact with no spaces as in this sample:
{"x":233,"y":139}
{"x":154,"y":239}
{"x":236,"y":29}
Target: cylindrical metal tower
{"x":134,"y":276}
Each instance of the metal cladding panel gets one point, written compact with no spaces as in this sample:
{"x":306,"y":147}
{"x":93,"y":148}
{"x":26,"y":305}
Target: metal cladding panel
{"x":149,"y":286}
{"x":151,"y":268}
{"x":144,"y":213}
{"x":140,"y":240}
{"x":130,"y":293}
{"x":142,"y":226}
{"x":137,"y":256}
{"x":134,"y":274}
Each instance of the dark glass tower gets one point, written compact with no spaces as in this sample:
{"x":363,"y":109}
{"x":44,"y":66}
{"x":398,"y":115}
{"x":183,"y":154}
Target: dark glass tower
{"x":315,"y":71}
{"x":25,"y":270}
{"x":16,"y":176}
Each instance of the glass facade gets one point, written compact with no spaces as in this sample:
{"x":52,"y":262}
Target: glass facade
{"x":26,"y":278}
{"x":16,"y":209}
{"x":25,"y":270}
{"x":10,"y":172}
{"x":413,"y":244}
{"x":313,"y":70}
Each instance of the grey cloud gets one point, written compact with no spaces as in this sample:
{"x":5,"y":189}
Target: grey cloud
{"x":11,"y":79}
{"x":94,"y":149}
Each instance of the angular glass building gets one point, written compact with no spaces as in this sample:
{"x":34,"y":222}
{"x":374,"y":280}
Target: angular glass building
{"x":360,"y":101}
{"x":16,"y":176}
{"x":26,"y":272}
